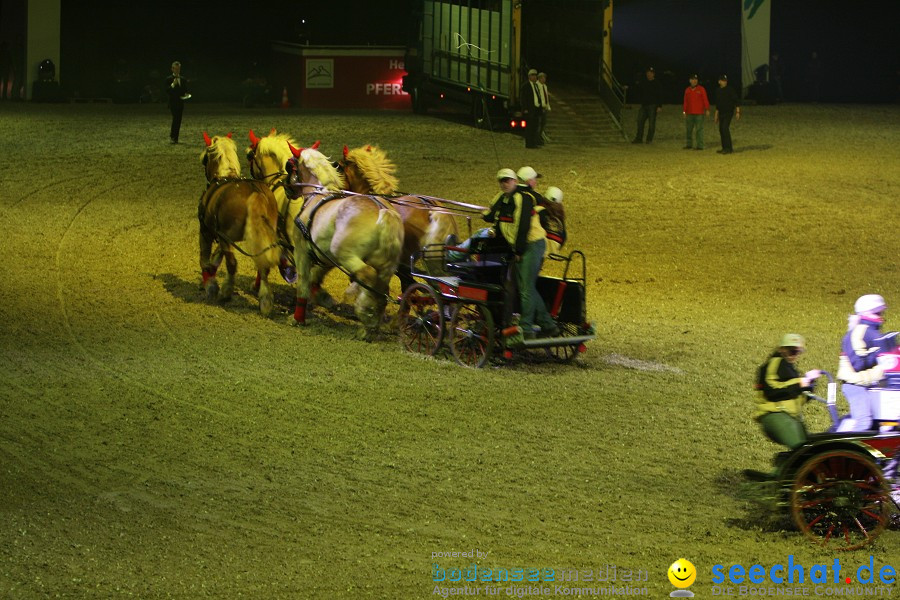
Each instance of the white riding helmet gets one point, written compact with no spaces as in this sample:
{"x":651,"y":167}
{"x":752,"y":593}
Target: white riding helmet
{"x":506,"y":174}
{"x":870,"y":303}
{"x":554,"y":194}
{"x":527,"y":173}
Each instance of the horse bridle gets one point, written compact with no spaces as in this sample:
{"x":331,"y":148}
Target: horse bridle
{"x":251,"y":159}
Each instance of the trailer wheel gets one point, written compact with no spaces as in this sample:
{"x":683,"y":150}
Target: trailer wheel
{"x":421,"y":320}
{"x":839,"y":499}
{"x":471,"y":334}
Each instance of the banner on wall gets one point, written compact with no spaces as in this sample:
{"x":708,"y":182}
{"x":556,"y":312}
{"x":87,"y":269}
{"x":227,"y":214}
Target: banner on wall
{"x":756,"y":23}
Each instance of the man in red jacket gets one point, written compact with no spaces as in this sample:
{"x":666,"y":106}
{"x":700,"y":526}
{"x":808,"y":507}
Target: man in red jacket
{"x":696,"y":109}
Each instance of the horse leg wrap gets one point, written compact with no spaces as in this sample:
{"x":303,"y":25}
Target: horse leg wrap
{"x":256,"y":283}
{"x":208,"y":274}
{"x":300,"y":310}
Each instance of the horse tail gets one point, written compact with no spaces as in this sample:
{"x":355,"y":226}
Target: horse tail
{"x":440,"y":225}
{"x":261,"y":233}
{"x":390,"y":228}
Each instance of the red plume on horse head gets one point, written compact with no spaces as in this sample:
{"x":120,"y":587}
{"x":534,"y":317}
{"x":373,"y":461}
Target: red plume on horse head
{"x":254,"y":141}
{"x":206,"y":139}
{"x":296,"y":151}
{"x":346,"y":151}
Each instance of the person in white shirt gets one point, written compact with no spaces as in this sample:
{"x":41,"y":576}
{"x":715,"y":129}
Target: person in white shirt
{"x":545,"y":98}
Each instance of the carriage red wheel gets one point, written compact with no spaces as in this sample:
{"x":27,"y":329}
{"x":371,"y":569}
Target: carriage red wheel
{"x":567,"y":352}
{"x":421,"y":319}
{"x":471,"y":334}
{"x":840,"y":500}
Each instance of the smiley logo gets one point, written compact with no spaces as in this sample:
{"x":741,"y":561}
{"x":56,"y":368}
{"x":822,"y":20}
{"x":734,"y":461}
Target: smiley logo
{"x":682,"y":573}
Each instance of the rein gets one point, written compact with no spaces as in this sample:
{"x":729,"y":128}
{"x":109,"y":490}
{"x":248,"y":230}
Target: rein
{"x":203,"y":208}
{"x":432,"y":203}
{"x":315,"y":252}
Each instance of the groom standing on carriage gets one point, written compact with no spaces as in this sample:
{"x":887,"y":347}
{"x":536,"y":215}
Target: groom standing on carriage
{"x":177,"y":89}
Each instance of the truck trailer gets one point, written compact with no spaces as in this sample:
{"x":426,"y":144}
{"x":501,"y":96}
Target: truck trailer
{"x":475,"y":53}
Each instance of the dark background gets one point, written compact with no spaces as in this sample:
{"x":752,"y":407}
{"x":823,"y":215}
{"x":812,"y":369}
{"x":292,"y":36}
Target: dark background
{"x":110,"y":48}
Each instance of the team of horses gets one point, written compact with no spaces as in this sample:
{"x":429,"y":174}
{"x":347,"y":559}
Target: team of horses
{"x":299,"y":207}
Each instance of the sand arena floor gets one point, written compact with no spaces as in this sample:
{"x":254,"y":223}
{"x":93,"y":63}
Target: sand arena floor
{"x":155,"y":445}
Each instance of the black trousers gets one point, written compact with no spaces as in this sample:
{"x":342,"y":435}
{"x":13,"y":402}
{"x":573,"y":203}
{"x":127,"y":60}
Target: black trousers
{"x":176,"y":108}
{"x":533,"y":128}
{"x":647,"y":112}
{"x":725,"y":131}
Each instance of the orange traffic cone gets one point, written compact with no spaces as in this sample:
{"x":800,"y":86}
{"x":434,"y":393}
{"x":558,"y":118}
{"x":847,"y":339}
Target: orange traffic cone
{"x":285,"y":103}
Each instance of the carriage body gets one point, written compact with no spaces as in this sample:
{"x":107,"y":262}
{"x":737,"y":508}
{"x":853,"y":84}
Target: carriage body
{"x":836,"y":486}
{"x":471,"y":303}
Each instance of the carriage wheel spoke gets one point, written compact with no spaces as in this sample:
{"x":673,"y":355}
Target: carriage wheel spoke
{"x":816,"y":520}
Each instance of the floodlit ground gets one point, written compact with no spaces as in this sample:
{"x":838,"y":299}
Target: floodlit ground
{"x":154,"y":445}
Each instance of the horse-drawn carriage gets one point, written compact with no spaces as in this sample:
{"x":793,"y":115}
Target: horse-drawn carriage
{"x":471,"y":303}
{"x":835,"y":485}
{"x":476,"y":296}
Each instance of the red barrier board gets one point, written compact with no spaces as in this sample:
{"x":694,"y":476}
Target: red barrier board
{"x":343,"y":76}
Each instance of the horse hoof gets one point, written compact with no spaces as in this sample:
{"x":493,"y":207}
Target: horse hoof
{"x":294,"y":322}
{"x":212,"y":291}
{"x":265,"y":306}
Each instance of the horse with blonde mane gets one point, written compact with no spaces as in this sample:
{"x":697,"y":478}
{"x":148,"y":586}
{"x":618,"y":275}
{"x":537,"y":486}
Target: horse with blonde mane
{"x":369,"y":171}
{"x":267,"y":157}
{"x":238,"y":214}
{"x":361,"y":235}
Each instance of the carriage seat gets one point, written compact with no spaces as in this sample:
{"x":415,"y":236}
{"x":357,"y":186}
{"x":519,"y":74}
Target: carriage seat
{"x":482,"y":271}
{"x":482,"y":259}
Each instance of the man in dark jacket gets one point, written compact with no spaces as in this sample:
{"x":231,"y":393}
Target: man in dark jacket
{"x":649,"y":94}
{"x":177,"y":89}
{"x":728,"y":105}
{"x":532,"y":109}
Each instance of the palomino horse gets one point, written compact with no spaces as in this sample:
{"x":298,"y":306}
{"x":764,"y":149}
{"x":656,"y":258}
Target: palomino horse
{"x":239,"y":214}
{"x":267,"y":157}
{"x":361,"y":235}
{"x":369,"y":171}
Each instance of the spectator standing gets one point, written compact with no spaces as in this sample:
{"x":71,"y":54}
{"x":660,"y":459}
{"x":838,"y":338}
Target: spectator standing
{"x":649,"y":94}
{"x":728,"y":105}
{"x":696,"y":109}
{"x":532,"y":109}
{"x":177,"y":89}
{"x":545,"y":98}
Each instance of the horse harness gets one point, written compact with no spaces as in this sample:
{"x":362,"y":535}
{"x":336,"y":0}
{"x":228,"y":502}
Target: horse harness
{"x":315,"y":252}
{"x":203,"y":206}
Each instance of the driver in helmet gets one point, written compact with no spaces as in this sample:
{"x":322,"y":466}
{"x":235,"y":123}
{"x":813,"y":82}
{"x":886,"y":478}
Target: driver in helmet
{"x":858,"y":366}
{"x":779,"y":403}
